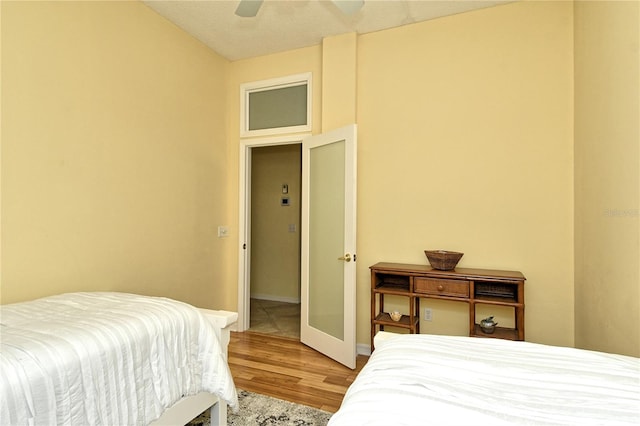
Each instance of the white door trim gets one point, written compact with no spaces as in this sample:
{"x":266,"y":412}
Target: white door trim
{"x":244,"y":222}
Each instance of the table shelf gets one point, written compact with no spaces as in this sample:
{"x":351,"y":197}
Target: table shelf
{"x":471,"y":286}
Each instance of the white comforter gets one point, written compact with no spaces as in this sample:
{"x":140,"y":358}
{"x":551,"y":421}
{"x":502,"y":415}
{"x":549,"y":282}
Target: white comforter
{"x":105,"y":359}
{"x":445,"y":380}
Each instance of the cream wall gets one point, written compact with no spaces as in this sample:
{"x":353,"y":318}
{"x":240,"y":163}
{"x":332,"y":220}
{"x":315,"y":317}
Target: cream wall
{"x":607,"y":127}
{"x":465,"y":135}
{"x":339,"y":81}
{"x":114,"y":149}
{"x":465,"y":143}
{"x":120,"y":154}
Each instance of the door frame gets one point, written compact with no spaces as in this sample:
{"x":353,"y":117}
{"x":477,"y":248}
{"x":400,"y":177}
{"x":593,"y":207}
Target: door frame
{"x":244,"y":221}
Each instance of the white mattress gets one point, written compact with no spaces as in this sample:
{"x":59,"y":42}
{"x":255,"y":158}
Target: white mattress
{"x":105,"y":359}
{"x":446,"y":380}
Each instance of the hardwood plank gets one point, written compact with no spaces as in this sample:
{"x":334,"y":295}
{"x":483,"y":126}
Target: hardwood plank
{"x":284,"y":368}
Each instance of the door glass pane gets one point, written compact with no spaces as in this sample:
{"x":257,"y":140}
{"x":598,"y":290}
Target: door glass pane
{"x":281,"y":107}
{"x":326,"y":235}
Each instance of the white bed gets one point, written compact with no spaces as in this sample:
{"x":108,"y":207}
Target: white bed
{"x":445,"y":380}
{"x":107,"y":358}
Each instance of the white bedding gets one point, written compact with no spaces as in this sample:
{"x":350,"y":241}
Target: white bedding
{"x":105,"y":359}
{"x":446,"y":380}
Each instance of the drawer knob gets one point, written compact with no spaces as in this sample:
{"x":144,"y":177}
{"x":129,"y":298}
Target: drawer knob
{"x":440,"y":287}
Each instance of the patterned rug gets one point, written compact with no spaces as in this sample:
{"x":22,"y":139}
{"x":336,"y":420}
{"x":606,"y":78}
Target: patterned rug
{"x":262,"y":410}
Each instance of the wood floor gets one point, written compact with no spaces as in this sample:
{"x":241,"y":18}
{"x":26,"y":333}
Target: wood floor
{"x":284,"y":368}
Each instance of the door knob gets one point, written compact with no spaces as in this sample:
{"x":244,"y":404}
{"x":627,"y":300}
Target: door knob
{"x":346,"y":258}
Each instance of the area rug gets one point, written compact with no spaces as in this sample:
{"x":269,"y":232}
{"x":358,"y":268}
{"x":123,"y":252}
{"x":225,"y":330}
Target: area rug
{"x":262,"y":410}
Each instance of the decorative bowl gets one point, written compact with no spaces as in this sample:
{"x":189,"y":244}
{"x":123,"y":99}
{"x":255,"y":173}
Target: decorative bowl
{"x":395,"y":316}
{"x":442,"y":259}
{"x":488,"y":325}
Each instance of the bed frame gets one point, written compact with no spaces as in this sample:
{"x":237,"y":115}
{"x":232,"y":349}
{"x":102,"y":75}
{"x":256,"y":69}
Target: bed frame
{"x":188,"y":408}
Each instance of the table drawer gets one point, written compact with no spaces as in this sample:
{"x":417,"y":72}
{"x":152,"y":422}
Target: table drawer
{"x":454,"y":288}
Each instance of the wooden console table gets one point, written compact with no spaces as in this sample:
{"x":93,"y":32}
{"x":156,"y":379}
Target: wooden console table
{"x":472,"y":286}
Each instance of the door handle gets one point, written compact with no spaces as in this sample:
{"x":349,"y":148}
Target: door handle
{"x":346,"y":257}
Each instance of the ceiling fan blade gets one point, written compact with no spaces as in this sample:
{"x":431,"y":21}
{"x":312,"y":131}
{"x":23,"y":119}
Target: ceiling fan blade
{"x":348,"y":7}
{"x":248,"y":8}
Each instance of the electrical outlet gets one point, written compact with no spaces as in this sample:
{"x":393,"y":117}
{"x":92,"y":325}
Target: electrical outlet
{"x":428,"y":314}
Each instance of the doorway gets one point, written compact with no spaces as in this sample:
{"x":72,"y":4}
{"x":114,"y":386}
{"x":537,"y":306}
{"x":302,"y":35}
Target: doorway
{"x":274,"y":246}
{"x":327,"y":239}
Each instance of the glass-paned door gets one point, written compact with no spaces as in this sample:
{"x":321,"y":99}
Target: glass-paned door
{"x":328,"y":244}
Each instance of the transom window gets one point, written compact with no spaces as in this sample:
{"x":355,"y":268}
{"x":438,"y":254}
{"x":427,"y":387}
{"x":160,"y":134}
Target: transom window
{"x":276,"y":106}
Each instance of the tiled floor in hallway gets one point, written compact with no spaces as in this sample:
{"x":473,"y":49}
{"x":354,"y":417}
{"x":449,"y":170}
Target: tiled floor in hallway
{"x":279,"y":318}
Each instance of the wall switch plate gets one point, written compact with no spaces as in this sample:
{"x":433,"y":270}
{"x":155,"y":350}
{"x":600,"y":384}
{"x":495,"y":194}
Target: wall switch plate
{"x":428,"y":314}
{"x":223,"y":231}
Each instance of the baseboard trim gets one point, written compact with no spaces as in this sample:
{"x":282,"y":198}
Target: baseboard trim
{"x":273,"y":298}
{"x":363,"y":349}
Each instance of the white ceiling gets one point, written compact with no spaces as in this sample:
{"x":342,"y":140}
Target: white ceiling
{"x":289,"y":24}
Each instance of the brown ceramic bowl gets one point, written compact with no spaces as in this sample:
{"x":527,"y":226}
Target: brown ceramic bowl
{"x":442,"y":259}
